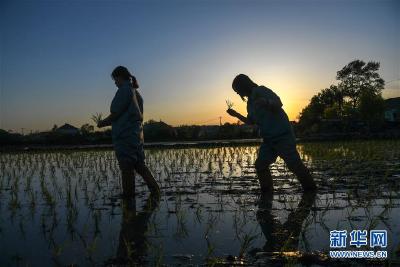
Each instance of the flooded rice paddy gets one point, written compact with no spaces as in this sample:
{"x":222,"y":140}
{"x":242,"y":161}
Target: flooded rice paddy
{"x":64,"y":208}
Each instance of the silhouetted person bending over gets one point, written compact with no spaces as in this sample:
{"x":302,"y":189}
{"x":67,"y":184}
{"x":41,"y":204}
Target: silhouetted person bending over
{"x":264,"y":108}
{"x":126,"y":119}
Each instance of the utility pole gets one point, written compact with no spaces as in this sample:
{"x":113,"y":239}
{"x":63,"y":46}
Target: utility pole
{"x":22,"y":130}
{"x":220,"y":120}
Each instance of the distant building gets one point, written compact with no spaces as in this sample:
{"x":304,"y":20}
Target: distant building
{"x":392,"y":109}
{"x":67,"y":129}
{"x":158,"y":130}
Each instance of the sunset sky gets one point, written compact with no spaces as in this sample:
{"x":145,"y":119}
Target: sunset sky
{"x":57,"y":56}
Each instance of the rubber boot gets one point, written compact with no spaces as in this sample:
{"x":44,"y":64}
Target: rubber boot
{"x":128,"y":183}
{"x":148,"y":177}
{"x":265,"y":180}
{"x":304,"y":177}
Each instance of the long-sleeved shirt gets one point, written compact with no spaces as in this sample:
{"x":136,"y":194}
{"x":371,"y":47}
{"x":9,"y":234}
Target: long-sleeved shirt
{"x":127,"y":128}
{"x":272,"y":122}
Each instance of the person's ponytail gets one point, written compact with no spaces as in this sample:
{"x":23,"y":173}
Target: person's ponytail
{"x":134,"y":82}
{"x":123,"y":72}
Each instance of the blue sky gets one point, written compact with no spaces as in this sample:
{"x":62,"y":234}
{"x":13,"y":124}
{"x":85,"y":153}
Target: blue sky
{"x":57,"y":56}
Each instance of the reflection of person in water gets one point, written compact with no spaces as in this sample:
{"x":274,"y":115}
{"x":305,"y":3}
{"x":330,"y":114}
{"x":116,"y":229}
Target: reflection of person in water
{"x":132,"y":237}
{"x":283,"y":237}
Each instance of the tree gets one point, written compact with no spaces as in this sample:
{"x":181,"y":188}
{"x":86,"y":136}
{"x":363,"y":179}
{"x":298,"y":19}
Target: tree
{"x":332,"y":112}
{"x":358,"y":77}
{"x":371,"y":108}
{"x":357,"y":96}
{"x":54,"y":128}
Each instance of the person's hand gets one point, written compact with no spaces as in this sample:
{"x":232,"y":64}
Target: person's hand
{"x":100,"y":124}
{"x":232,"y":112}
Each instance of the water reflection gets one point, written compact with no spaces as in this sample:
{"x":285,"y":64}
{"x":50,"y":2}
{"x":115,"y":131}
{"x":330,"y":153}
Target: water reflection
{"x":73,"y":199}
{"x":132,"y":247}
{"x":283,"y":237}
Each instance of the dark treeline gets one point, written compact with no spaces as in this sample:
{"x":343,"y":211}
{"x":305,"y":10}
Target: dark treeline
{"x":154,"y":131}
{"x":354,"y":105}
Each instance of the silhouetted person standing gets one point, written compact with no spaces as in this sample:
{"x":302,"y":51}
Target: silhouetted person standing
{"x":126,"y":119}
{"x":264,"y":108}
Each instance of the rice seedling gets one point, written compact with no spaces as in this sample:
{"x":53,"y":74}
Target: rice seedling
{"x":32,"y":202}
{"x":97,"y":117}
{"x":14,"y":204}
{"x":47,"y":196}
{"x":158,"y":255}
{"x":358,"y":189}
{"x":229,"y":104}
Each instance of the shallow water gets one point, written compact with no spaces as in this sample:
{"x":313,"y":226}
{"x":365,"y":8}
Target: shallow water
{"x":63,"y":208}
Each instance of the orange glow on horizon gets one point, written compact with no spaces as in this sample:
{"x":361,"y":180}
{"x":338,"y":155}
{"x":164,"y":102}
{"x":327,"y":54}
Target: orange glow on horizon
{"x":212,"y":115}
